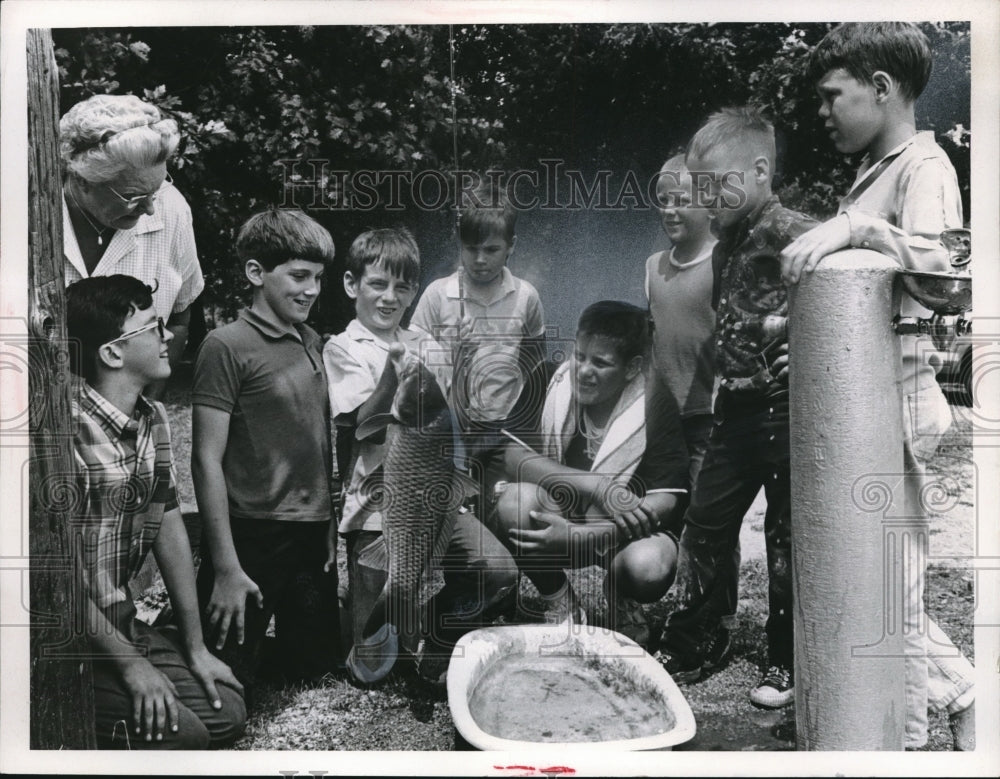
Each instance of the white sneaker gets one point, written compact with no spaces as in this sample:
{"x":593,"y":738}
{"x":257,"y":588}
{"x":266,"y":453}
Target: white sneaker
{"x":776,"y":689}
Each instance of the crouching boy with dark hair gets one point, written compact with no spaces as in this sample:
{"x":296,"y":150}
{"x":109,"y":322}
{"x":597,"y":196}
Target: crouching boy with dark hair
{"x":598,"y":491}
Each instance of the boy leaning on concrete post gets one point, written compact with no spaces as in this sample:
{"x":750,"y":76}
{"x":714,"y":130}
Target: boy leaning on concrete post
{"x":868,"y":77}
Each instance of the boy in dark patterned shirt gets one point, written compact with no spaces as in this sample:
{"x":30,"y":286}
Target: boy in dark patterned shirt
{"x":731,"y":159}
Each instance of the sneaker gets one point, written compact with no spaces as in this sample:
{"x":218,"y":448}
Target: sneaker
{"x":718,"y":650}
{"x":681,"y":670}
{"x":629,"y":619}
{"x":776,"y":689}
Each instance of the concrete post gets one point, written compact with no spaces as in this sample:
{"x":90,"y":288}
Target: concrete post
{"x":846,"y":423}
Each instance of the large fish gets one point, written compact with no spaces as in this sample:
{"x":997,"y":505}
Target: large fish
{"x":419,"y":496}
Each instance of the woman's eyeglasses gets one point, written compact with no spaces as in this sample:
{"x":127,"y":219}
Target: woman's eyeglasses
{"x":157,"y":323}
{"x":132,"y":203}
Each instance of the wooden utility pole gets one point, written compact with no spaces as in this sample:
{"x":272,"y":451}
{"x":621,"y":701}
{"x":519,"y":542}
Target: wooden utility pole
{"x":62,"y":696}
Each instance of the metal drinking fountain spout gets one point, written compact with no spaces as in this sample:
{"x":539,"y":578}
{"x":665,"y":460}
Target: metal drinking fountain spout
{"x":946,"y":293}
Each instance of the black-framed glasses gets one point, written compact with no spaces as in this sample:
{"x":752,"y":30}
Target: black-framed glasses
{"x":157,"y":323}
{"x":132,"y":203}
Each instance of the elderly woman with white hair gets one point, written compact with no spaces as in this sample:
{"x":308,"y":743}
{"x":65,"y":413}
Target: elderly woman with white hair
{"x":120,"y":212}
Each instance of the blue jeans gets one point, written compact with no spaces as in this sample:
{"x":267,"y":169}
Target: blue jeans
{"x":748,"y":449}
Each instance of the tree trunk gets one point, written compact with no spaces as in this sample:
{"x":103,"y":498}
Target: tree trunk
{"x":62,"y":696}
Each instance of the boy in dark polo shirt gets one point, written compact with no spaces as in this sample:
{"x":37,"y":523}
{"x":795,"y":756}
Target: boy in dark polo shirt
{"x":261,"y":459}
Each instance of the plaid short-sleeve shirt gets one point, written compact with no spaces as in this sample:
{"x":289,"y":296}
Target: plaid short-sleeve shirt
{"x":125,"y":484}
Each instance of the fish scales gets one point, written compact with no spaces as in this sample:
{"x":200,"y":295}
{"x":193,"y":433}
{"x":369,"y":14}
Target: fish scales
{"x":421,"y":501}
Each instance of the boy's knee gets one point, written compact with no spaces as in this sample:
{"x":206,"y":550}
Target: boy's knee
{"x":517,"y":499}
{"x":646,"y":571}
{"x":229,"y":722}
{"x":191,"y":734}
{"x":501,"y":574}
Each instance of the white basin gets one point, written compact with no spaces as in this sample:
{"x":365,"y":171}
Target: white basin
{"x":590,"y":652}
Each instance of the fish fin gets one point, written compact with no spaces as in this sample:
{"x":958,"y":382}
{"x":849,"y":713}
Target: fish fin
{"x":371,"y":659}
{"x":466,"y":485}
{"x":375,"y":555}
{"x":374,"y":425}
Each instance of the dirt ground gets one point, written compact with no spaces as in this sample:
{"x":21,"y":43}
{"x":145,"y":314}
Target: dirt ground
{"x":404,"y":714}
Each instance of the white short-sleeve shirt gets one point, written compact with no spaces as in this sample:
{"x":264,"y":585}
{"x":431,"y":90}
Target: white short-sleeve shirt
{"x":354,"y":361}
{"x":160,"y":251}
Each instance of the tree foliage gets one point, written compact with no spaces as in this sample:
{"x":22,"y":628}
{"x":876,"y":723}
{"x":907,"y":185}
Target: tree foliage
{"x":252,"y":100}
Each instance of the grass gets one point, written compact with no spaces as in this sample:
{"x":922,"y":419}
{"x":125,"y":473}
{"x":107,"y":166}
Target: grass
{"x":404,"y":714}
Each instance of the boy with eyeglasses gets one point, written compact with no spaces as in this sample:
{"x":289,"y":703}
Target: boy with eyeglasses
{"x":152,"y":688}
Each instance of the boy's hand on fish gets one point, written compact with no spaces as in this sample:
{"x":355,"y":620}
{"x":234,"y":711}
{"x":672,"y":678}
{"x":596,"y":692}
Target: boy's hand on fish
{"x":550,"y":539}
{"x":227,"y":606}
{"x":804,"y":253}
{"x":465,"y":329}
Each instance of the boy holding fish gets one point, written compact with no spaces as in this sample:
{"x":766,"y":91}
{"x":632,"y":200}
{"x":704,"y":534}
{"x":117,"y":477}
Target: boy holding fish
{"x":261,"y":459}
{"x":380,"y":513}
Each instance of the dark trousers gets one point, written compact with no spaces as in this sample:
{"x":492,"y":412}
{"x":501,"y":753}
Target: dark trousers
{"x":199,"y":726}
{"x":285,"y":560}
{"x":748,"y":449}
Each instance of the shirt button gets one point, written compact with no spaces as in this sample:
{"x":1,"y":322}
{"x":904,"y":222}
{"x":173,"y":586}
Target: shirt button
{"x":866,"y":244}
{"x":722,"y":301}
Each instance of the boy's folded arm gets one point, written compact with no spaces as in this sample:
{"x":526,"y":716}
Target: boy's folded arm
{"x":524,"y":465}
{"x":928,"y":203}
{"x":912,"y":251}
